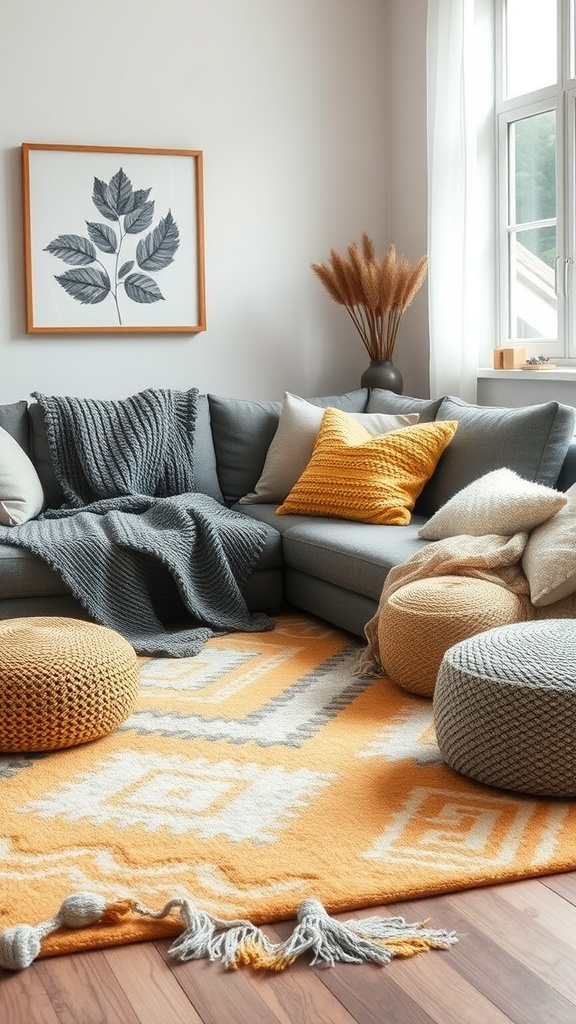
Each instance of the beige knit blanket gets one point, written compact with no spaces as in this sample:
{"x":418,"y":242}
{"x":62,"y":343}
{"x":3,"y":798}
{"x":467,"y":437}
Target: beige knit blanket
{"x":491,"y":557}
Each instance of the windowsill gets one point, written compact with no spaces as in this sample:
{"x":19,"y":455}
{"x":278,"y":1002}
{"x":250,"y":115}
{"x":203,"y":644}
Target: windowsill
{"x":560,"y":373}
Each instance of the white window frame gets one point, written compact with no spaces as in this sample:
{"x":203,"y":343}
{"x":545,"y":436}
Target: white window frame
{"x":561,"y":98}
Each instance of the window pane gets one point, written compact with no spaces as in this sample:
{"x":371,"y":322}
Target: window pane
{"x":533,"y":157}
{"x":533,"y":306}
{"x":531,"y":61}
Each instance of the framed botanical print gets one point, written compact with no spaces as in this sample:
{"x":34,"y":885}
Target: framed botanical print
{"x":113,"y":240}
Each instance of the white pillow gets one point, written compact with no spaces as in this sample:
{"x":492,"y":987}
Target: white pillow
{"x":21,"y":494}
{"x":499,"y":502}
{"x":293,"y":443}
{"x":549,"y":559}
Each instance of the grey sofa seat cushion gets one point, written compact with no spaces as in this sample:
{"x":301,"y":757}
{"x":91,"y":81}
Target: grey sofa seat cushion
{"x":267,"y":514}
{"x":531,"y":440}
{"x":243,"y":431}
{"x":14,"y":419}
{"x":354,"y":556}
{"x":23,"y":574}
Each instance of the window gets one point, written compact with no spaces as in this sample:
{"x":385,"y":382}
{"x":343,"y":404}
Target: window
{"x":536,"y":114}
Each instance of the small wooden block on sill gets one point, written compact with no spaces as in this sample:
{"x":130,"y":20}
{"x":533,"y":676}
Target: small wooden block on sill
{"x":508,"y":358}
{"x":538,"y":366}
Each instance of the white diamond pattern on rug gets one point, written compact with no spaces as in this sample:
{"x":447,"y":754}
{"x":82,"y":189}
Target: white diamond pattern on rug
{"x":238,"y":801}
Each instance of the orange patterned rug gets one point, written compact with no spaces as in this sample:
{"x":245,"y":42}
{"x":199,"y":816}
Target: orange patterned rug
{"x":250,"y":778}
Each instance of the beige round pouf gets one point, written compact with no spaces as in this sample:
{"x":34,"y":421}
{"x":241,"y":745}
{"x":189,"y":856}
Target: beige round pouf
{"x":62,"y":682}
{"x":505,"y":707}
{"x":421,"y":620}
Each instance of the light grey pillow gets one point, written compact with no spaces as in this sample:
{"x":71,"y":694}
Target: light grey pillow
{"x":549,"y":558}
{"x":243,"y":432}
{"x":500,"y":503}
{"x":293,"y":443}
{"x":531,"y":440}
{"x":21,"y":494}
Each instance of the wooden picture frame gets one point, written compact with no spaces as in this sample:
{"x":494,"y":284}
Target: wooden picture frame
{"x":113,"y":240}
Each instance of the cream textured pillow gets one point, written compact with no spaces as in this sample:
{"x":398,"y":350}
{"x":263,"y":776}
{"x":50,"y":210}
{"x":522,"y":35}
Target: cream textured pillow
{"x":352,"y":475}
{"x":293,"y":443}
{"x":549,"y":559}
{"x":21,"y":494}
{"x":500,"y":502}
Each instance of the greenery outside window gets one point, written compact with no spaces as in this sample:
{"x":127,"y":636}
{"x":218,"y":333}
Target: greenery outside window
{"x":536,"y":115}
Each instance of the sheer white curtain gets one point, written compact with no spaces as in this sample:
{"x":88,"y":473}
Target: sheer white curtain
{"x":453,"y":249}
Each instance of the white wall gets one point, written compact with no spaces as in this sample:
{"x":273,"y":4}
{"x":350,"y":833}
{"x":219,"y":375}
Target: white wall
{"x":289,"y":101}
{"x":408,"y":176}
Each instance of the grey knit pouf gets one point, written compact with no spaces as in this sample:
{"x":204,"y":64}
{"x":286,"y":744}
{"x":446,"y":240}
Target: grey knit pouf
{"x":505,"y":707}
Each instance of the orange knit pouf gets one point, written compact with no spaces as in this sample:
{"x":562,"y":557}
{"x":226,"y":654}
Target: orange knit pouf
{"x":422,"y":619}
{"x":62,"y":682}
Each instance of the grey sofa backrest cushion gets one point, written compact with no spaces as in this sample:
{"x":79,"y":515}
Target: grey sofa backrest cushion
{"x":14,"y":419}
{"x":567,"y":475}
{"x":42,"y":459}
{"x":399,"y":405}
{"x":205,"y":473}
{"x":243,"y":431}
{"x":531,"y":440}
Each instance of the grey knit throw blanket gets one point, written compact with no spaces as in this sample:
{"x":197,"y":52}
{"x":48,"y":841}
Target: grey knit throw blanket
{"x":140,"y":549}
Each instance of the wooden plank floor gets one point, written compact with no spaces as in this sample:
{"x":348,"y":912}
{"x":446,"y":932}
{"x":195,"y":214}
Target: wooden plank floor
{"x":515,"y":962}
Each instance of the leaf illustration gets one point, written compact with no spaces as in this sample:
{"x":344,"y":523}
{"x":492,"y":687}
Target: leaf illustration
{"x":86,"y":285}
{"x":125,"y":268}
{"x":140,"y":197}
{"x":156,"y":251}
{"x":120,"y":193}
{"x":74,"y":249}
{"x":139,"y":219}
{"x":101,"y":200}
{"x":142,"y":288}
{"x":102,"y":236}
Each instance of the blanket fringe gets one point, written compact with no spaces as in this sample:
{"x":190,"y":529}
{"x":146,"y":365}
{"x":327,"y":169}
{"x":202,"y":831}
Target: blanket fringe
{"x":237,"y":943}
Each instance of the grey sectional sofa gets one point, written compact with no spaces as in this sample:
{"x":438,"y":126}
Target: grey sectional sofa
{"x":333,"y":568}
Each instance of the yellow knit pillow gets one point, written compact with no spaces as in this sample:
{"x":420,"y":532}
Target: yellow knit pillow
{"x":352,"y":475}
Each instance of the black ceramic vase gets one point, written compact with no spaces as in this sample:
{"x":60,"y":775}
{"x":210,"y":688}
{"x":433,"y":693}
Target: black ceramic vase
{"x":382,"y":374}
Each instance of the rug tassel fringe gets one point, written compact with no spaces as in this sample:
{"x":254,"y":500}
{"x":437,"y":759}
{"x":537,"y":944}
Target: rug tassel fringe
{"x":237,"y":943}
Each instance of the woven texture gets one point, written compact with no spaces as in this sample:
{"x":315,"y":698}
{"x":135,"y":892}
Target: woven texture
{"x":352,"y":475}
{"x":143,"y":444}
{"x":505,"y":707}
{"x":64,"y":682}
{"x":423,"y":619}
